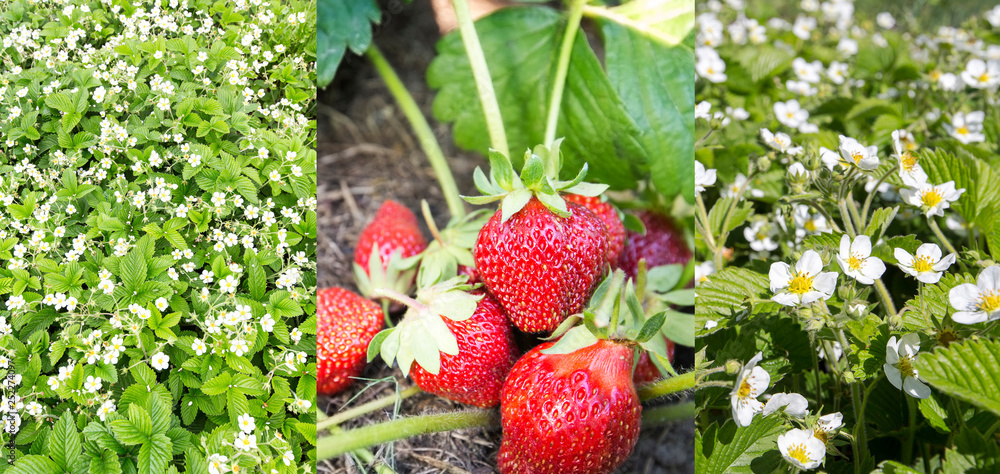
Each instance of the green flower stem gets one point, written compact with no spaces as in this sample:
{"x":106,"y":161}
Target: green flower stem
{"x":672,"y":385}
{"x":815,"y":361}
{"x":366,"y":408}
{"x":911,"y":430}
{"x":346,"y":441}
{"x":667,"y":414}
{"x":859,"y":225}
{"x":481,"y":73}
{"x":724,"y":234}
{"x":871,"y":195}
{"x":860,"y":441}
{"x":364,"y":455}
{"x":940,"y":235}
{"x":846,"y":217}
{"x":385,"y":313}
{"x":562,"y":68}
{"x":886,"y":298}
{"x":422,"y":129}
{"x":703,"y":223}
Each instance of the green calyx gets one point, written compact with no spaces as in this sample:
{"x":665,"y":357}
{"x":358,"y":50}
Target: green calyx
{"x":451,"y":247}
{"x":396,"y":275}
{"x":423,"y":335}
{"x":539,"y":178}
{"x":614,"y":312}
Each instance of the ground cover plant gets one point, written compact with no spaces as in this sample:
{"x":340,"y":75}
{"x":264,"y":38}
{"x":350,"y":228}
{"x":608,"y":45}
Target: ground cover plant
{"x":847,"y":197}
{"x":157,"y":237}
{"x":495,"y":250}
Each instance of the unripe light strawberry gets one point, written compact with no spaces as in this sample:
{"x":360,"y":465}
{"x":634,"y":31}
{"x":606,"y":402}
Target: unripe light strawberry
{"x":345,"y":324}
{"x":542,"y":267}
{"x":569,"y":413}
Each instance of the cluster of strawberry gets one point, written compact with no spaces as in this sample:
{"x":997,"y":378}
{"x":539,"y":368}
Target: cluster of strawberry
{"x":542,"y":263}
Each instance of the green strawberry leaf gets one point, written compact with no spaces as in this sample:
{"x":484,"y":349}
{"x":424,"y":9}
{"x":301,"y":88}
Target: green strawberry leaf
{"x":342,"y":24}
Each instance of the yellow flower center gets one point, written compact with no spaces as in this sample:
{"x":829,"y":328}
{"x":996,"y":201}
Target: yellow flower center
{"x":798,"y":453}
{"x":906,"y":366}
{"x":800,"y":284}
{"x":908,"y":161}
{"x":935,"y":75}
{"x":963,"y":130}
{"x":984,"y":77}
{"x":810,"y":225}
{"x":989,"y":301}
{"x":854,"y":263}
{"x":923,"y":264}
{"x":931,"y":197}
{"x":857,"y":156}
{"x":710,"y":71}
{"x":822,"y":435}
{"x":744,"y":391}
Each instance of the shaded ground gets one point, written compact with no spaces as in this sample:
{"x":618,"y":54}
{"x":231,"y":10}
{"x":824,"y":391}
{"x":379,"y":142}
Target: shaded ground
{"x":368,"y":154}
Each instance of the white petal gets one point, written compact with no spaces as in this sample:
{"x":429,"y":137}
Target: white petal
{"x":964,"y":297}
{"x":892,"y":351}
{"x":793,"y":404}
{"x":744,"y":411}
{"x":825,"y":283}
{"x":989,"y":279}
{"x":916,"y":388}
{"x":780,"y":275}
{"x":945,"y":262}
{"x":845,"y":247}
{"x":810,"y":263}
{"x":909,"y":344}
{"x":873,"y":268}
{"x":862,"y":245}
{"x":892,"y":373}
{"x":787,"y":299}
{"x":969,"y":317}
{"x":929,"y":277}
{"x":929,"y":250}
{"x":758,"y":381}
{"x":903,"y":257}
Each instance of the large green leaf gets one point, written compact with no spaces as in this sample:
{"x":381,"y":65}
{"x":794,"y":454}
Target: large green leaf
{"x":155,"y":454}
{"x":64,"y":443}
{"x":341,"y":24}
{"x":972,"y":453}
{"x":747,"y":449}
{"x":33,"y":464}
{"x":967,"y":371}
{"x":522,"y":46}
{"x":656,"y":84}
{"x":726,"y":294}
{"x":981,"y":199}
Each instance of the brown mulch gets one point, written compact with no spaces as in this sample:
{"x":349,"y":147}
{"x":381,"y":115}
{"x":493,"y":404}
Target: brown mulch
{"x":367,"y":154}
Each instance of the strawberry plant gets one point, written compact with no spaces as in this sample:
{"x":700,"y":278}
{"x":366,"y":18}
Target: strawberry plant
{"x":847,"y":236}
{"x":571,"y":142}
{"x":157,"y":237}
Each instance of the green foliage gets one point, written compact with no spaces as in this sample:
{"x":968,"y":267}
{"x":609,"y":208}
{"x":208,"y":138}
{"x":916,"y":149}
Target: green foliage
{"x":342,"y":24}
{"x":157,"y":234}
{"x":963,"y":371}
{"x":615,"y":121}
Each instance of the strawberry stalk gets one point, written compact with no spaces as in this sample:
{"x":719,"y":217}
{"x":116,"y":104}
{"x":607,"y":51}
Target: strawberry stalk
{"x":366,"y":408}
{"x":346,"y":441}
{"x":481,"y":74}
{"x":364,"y":455}
{"x":562,"y":68}
{"x":351,"y":440}
{"x":423,"y":131}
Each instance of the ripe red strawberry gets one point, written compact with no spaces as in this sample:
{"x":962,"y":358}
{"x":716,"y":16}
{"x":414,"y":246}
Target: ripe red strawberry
{"x":608,"y":215}
{"x":569,"y":413}
{"x":394,"y":228}
{"x":646,"y":371}
{"x":486,"y":353}
{"x":541,"y":267}
{"x":663,"y":244}
{"x":346,"y":323}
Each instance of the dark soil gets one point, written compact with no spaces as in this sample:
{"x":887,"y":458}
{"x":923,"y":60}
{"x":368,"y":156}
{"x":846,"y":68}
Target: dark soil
{"x":367,"y":154}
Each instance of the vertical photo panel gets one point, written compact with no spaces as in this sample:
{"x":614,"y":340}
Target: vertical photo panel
{"x":848,"y":289}
{"x":157,"y":237}
{"x":506,"y":229}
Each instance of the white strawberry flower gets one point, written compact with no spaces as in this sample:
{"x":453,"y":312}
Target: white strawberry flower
{"x":854,"y":153}
{"x":750,"y":384}
{"x":780,"y":142}
{"x":105,"y":409}
{"x":161,"y":304}
{"x":160,"y":361}
{"x":267,"y":323}
{"x":828,"y":425}
{"x":92,"y":384}
{"x":979,"y":74}
{"x":980,"y":302}
{"x":933,"y":200}
{"x":967,"y":128}
{"x":218,"y":464}
{"x":288,"y":458}
{"x":803,"y":285}
{"x":802,"y":449}
{"x":856,"y":261}
{"x":792,"y":404}
{"x":899,"y":359}
{"x":245,"y":442}
{"x":910,"y":170}
{"x":926,"y":265}
{"x":246,"y":423}
{"x":239,"y":347}
{"x":198,"y":346}
{"x":790,"y":113}
{"x":703,"y":178}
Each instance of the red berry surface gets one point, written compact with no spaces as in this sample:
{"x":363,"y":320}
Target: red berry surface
{"x":663,"y":244}
{"x":542,"y":267}
{"x":569,"y":413}
{"x":394,"y":227}
{"x":486,"y":353}
{"x":608,"y":215}
{"x":346,"y":323}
